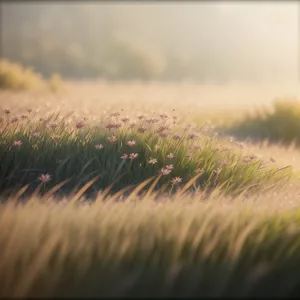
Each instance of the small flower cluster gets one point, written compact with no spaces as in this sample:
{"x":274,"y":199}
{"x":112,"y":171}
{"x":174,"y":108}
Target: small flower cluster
{"x":131,"y":156}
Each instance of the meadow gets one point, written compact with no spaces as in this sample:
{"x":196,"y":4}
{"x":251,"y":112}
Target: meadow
{"x":148,"y":189}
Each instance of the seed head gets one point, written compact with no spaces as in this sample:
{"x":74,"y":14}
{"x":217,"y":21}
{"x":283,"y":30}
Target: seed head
{"x":125,"y":119}
{"x":252,"y":157}
{"x":163,"y":134}
{"x":53,"y":125}
{"x":117,"y":125}
{"x":14,"y":120}
{"x":29,"y":110}
{"x":164,"y":116}
{"x":7,"y":111}
{"x":80,"y":124}
{"x":192,"y":136}
{"x":176,"y":137}
{"x":109,"y":126}
{"x":141,"y":117}
{"x":115,"y":114}
{"x":142,"y":129}
{"x":151,"y":120}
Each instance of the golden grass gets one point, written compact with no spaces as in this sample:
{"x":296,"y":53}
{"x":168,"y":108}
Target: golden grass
{"x":186,"y":245}
{"x":15,"y":77}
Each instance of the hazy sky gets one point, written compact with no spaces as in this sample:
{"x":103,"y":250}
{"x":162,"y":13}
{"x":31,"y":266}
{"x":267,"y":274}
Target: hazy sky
{"x":242,"y":39}
{"x":247,"y":39}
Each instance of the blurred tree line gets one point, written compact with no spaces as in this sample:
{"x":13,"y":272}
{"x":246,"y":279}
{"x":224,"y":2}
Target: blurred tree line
{"x":145,"y":41}
{"x":79,"y":41}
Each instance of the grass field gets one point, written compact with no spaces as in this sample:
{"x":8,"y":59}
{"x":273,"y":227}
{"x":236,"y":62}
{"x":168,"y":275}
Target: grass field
{"x":149,"y":190}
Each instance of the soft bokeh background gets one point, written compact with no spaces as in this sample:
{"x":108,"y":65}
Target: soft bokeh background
{"x":215,"y":42}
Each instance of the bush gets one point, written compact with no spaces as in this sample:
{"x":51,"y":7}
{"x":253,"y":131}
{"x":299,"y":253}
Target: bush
{"x":282,"y":124}
{"x":15,"y":77}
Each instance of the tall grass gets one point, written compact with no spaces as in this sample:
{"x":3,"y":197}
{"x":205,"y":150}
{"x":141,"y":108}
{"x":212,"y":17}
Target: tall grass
{"x":281,"y":125}
{"x":177,"y":210}
{"x":141,"y":248}
{"x":125,"y":153}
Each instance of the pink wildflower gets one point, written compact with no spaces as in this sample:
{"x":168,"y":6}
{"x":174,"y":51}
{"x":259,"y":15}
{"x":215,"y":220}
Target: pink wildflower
{"x":133,"y":155}
{"x":170,"y":167}
{"x":170,"y":156}
{"x":112,"y":139}
{"x":124,"y":156}
{"x":99,"y":147}
{"x":176,"y":180}
{"x":17,"y":144}
{"x":165,"y":172}
{"x":152,"y":161}
{"x":44,"y":178}
{"x":131,"y":143}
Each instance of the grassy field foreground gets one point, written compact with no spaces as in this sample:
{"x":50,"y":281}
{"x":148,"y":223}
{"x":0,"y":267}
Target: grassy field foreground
{"x":188,"y":247}
{"x":191,"y":212}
